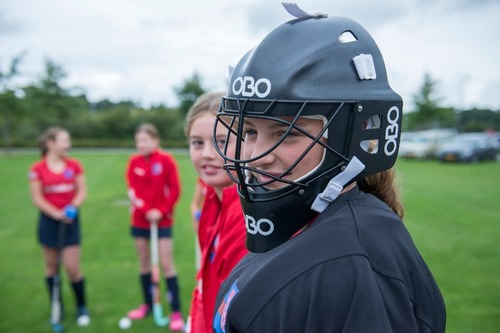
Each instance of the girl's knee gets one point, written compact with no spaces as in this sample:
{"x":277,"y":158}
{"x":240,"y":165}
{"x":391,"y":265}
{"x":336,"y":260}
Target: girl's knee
{"x":169,"y":270}
{"x":74,"y":274}
{"x":50,"y":270}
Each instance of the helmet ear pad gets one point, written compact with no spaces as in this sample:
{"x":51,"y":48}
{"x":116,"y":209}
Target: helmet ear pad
{"x":377,"y":144}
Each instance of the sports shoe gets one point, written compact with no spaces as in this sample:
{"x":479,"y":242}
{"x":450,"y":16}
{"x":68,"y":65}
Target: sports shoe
{"x":176,"y":322}
{"x":139,"y":313}
{"x":82,"y":317}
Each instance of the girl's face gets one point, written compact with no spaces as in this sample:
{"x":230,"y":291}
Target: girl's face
{"x":261,"y":134}
{"x":145,"y":143}
{"x":207,"y":162}
{"x":61,"y":145}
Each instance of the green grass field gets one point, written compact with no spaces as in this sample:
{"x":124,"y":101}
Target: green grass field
{"x":452,"y":212}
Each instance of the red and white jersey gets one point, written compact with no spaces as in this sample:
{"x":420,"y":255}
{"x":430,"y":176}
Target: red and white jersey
{"x":57,"y":188}
{"x":224,"y":248}
{"x":153,"y":182}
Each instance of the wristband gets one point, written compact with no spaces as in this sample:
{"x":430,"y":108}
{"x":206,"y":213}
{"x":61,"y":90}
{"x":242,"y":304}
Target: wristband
{"x":70,"y":212}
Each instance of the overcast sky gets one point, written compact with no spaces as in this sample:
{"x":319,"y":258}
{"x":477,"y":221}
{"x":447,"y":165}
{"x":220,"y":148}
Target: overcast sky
{"x":141,"y":50}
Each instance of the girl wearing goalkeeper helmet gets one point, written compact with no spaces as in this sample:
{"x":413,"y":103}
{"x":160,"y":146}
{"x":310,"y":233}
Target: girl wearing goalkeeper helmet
{"x":317,"y":130}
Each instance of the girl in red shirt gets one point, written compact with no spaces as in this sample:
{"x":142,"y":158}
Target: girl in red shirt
{"x":221,"y":229}
{"x":58,"y":189}
{"x":200,"y":191}
{"x":153,"y":189}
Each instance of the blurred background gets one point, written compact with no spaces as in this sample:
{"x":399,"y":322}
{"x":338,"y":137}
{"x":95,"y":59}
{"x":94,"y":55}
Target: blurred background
{"x":99,"y":68}
{"x":86,"y":65}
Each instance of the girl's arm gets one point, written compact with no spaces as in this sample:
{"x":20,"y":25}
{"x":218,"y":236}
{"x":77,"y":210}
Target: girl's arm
{"x":197,"y":204}
{"x":81,"y":191}
{"x":41,"y":203}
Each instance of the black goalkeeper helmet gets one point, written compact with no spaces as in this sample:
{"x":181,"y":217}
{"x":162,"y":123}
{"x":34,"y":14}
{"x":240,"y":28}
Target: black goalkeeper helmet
{"x":319,"y":67}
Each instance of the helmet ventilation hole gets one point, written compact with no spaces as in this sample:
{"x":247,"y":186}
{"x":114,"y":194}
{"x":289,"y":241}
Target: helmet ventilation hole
{"x":370,"y":146}
{"x":347,"y":37}
{"x":372,"y":123}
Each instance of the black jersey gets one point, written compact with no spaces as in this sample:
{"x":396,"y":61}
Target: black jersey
{"x":354,"y":269}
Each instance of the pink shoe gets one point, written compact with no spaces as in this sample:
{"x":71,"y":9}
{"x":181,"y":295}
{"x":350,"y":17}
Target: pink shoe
{"x":139,"y":313}
{"x":176,"y":322}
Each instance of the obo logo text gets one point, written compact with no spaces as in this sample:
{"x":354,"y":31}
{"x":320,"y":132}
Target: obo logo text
{"x":249,"y":87}
{"x":264,"y":227}
{"x":391,"y":131}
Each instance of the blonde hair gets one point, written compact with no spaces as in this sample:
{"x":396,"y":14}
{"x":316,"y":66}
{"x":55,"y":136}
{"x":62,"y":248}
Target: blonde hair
{"x":50,"y":134}
{"x":149,"y":129}
{"x":206,"y":103}
{"x":385,"y":187}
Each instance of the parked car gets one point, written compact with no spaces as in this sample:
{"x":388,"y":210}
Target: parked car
{"x":469,"y":147}
{"x":423,"y":144}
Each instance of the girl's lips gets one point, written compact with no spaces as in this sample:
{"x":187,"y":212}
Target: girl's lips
{"x":211,"y":169}
{"x":262,"y":178}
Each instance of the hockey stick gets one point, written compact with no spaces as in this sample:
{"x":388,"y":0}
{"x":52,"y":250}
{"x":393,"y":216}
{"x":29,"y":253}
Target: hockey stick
{"x":56,"y":306}
{"x":160,"y":320}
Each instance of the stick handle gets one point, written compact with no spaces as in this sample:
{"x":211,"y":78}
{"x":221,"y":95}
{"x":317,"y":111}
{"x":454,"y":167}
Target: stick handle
{"x":154,"y":243}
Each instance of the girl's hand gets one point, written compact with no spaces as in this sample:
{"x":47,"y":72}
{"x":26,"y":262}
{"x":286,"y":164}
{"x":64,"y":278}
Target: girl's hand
{"x":70,"y":213}
{"x":153,"y":215}
{"x":61,"y":216}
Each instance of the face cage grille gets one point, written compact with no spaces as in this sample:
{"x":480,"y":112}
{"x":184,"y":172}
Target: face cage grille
{"x":233,"y":119}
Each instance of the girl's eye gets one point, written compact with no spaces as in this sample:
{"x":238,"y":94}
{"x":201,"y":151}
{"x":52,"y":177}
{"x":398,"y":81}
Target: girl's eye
{"x":249,"y":133}
{"x":196,"y":144}
{"x":292,"y":133}
{"x":281,"y":134}
{"x":221,"y":143}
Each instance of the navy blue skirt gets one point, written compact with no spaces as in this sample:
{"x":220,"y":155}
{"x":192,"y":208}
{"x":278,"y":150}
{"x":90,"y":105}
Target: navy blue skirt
{"x":145,"y":233}
{"x":48,"y":232}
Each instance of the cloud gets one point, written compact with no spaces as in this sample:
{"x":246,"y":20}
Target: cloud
{"x":122,"y":49}
{"x":10,"y":26}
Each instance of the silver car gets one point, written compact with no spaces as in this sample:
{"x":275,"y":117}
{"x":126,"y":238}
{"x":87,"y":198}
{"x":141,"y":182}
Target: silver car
{"x":469,"y":147}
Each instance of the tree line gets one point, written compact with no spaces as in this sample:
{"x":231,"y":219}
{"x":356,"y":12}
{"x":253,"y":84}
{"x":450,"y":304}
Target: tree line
{"x":27,"y":110}
{"x":429,"y":113}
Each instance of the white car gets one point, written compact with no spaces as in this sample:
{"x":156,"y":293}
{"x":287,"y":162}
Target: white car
{"x":423,"y":144}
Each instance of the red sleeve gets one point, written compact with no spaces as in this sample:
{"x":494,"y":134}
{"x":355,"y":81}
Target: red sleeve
{"x":128,"y":173}
{"x":235,"y":235}
{"x":34,"y":173}
{"x":77,"y":166}
{"x":135,"y":187}
{"x":210,"y":211}
{"x":172,"y":184}
{"x":230,"y":249}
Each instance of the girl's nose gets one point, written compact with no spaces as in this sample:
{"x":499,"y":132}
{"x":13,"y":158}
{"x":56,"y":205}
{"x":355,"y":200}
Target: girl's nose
{"x":209,"y":150}
{"x":261,"y":148}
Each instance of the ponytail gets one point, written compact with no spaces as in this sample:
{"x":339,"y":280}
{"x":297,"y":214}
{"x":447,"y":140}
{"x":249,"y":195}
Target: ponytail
{"x":384,"y":186}
{"x":49,"y":135}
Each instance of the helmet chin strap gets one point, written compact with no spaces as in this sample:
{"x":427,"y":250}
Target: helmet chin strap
{"x":336,"y":185}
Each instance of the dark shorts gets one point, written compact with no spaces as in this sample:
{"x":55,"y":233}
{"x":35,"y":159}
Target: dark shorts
{"x":145,"y":233}
{"x":48,"y":232}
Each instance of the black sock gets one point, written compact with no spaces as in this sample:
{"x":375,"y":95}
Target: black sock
{"x":146,"y":288}
{"x":79,"y":290}
{"x":173,"y":293}
{"x":49,"y":280}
